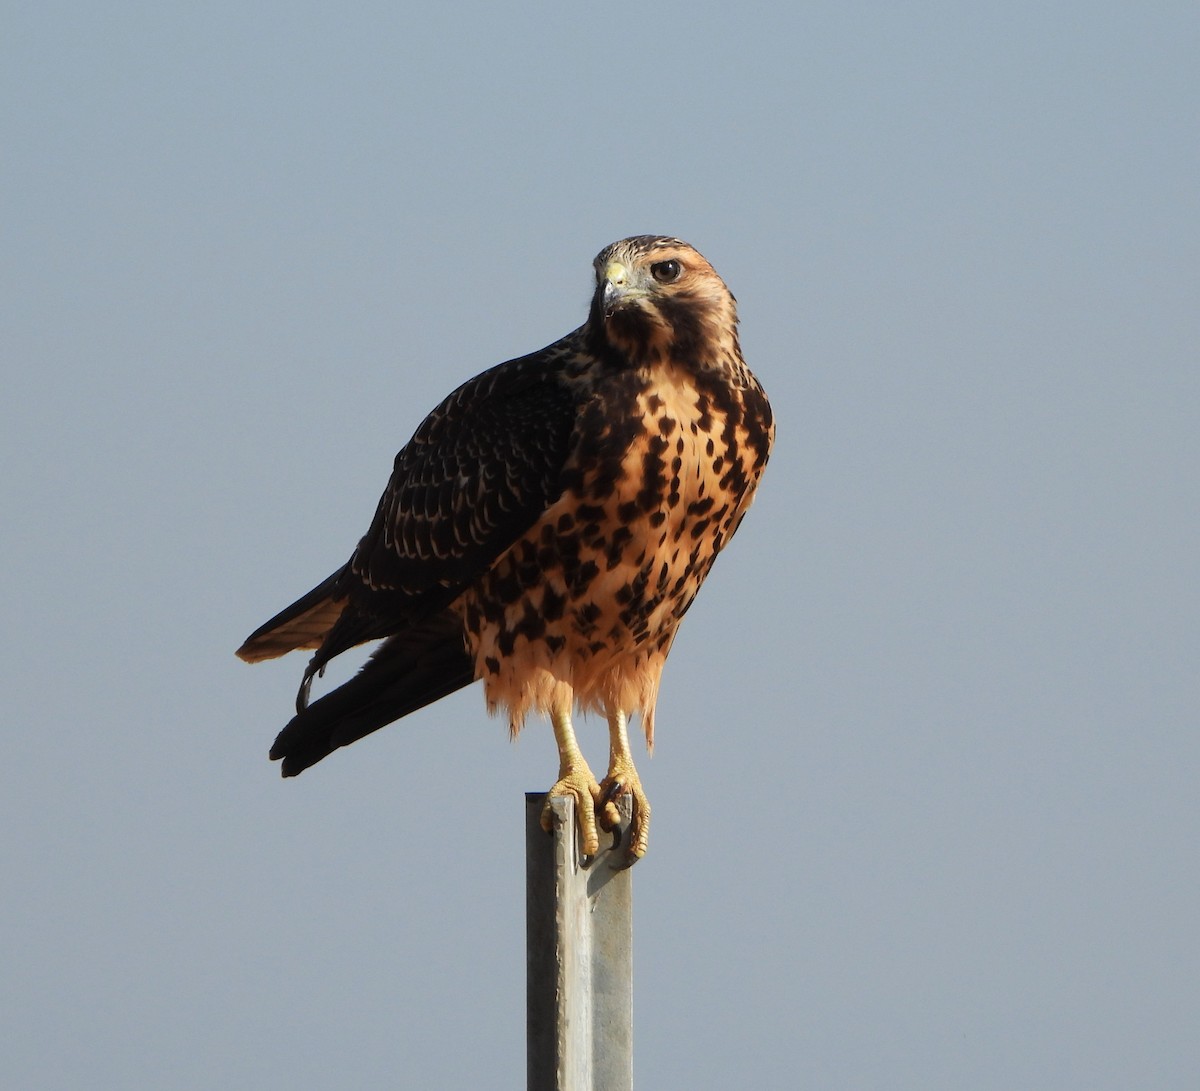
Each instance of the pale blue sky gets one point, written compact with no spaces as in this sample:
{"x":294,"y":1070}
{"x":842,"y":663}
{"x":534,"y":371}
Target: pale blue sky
{"x":925,"y":785}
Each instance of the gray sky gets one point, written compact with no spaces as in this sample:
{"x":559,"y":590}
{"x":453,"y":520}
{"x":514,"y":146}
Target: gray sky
{"x":925,"y":787}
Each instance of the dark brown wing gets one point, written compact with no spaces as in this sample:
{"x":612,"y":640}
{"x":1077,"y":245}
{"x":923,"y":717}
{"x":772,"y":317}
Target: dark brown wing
{"x":478,"y":472}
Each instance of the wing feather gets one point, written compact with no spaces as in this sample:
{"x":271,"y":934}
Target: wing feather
{"x":479,"y":471}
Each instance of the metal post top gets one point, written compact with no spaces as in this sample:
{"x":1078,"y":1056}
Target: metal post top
{"x":579,"y":954}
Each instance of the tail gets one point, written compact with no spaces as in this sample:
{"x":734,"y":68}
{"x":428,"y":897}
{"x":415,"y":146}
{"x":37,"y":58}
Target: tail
{"x":304,"y":624}
{"x":420,"y":665}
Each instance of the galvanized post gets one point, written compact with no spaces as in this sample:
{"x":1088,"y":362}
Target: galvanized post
{"x":579,"y":955}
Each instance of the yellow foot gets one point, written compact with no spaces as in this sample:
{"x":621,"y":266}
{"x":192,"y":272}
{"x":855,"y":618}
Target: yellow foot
{"x":579,"y":783}
{"x":622,"y":780}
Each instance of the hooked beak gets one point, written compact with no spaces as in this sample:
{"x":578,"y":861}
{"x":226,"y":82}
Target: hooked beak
{"x":616,"y":286}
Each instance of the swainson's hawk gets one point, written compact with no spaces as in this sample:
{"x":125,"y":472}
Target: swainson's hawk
{"x":546,"y":529}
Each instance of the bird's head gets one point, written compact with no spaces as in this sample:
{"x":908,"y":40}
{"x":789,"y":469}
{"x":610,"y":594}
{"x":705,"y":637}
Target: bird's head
{"x":657,"y":298}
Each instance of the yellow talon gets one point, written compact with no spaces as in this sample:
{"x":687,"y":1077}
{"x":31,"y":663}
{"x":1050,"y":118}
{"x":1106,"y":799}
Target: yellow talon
{"x":579,"y":783}
{"x":627,"y":783}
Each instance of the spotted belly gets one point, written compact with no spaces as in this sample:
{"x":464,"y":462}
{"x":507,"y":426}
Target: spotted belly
{"x":583,"y":608}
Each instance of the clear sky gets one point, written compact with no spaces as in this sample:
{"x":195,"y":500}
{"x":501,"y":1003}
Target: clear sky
{"x":926,"y":778}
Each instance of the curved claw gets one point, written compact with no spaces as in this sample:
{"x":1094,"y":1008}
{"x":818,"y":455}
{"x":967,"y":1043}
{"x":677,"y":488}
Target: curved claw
{"x":612,"y":787}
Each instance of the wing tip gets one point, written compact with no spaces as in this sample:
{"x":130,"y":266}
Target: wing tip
{"x":248,"y":653}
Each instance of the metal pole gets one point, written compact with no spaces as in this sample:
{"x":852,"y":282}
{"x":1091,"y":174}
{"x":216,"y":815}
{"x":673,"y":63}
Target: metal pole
{"x":579,"y":955}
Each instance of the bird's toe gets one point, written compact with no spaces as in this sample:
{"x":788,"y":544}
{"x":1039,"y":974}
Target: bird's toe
{"x":582,"y":787}
{"x":612,"y":787}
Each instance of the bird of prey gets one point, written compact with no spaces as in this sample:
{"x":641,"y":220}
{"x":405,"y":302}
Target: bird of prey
{"x":546,"y":529}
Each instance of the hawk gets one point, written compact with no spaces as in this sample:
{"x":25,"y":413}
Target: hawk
{"x":546,"y":529}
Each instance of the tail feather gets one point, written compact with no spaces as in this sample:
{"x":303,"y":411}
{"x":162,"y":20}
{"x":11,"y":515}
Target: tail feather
{"x":304,"y":624}
{"x":424,"y":663}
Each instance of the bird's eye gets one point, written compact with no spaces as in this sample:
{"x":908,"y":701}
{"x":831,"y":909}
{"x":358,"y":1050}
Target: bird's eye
{"x":666,"y":272}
